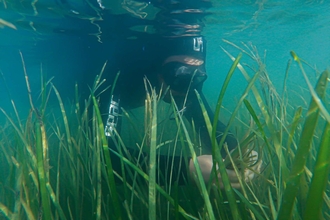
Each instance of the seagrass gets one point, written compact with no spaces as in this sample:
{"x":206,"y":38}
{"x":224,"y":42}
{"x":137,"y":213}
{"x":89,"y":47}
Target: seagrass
{"x":56,"y":162}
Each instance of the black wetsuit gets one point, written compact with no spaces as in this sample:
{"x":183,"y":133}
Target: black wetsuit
{"x":176,"y":33}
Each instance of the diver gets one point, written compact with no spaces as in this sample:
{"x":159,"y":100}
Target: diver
{"x":174,"y":57}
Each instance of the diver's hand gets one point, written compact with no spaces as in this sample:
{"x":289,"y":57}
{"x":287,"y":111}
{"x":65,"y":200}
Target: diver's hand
{"x":206,"y":164}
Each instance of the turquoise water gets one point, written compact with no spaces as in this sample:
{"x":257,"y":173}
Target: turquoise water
{"x":64,"y":41}
{"x":275,"y":28}
{"x":53,"y":37}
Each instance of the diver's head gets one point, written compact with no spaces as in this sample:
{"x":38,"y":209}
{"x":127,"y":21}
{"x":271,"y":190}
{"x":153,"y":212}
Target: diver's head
{"x":183,"y":73}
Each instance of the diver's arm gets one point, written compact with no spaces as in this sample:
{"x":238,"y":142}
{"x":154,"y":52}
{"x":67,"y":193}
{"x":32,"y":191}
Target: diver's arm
{"x":206,"y":165}
{"x":205,"y":161}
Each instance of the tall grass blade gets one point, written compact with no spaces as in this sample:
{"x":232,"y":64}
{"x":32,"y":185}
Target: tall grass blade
{"x":216,"y":148}
{"x":195,"y":162}
{"x":55,"y":201}
{"x":294,"y":125}
{"x":6,"y":212}
{"x":249,"y":205}
{"x":152,"y":159}
{"x":270,"y":125}
{"x":159,"y":188}
{"x":65,"y":118}
{"x":22,"y":138}
{"x":106,"y":153}
{"x":302,"y":153}
{"x":212,"y":129}
{"x":314,"y":93}
{"x":217,"y":159}
{"x":46,"y":211}
{"x":221,"y":96}
{"x":222,"y":169}
{"x":272,"y":205}
{"x":257,"y":121}
{"x":28,"y":210}
{"x":98,"y":176}
{"x":320,"y":177}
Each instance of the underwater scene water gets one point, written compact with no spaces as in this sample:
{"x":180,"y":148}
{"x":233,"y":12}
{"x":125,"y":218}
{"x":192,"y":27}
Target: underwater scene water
{"x":55,"y":161}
